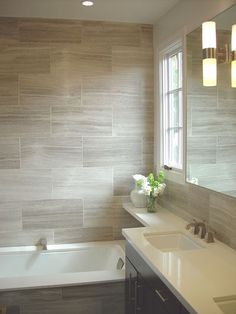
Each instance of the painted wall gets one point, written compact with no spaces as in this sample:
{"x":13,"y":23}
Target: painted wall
{"x":184,"y":199}
{"x":76,"y":121}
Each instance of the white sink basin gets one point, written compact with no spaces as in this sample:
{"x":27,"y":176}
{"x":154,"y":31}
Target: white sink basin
{"x":227,"y":304}
{"x":169,"y":242}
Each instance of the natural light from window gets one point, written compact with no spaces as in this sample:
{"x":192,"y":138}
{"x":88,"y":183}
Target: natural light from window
{"x":172,"y":108}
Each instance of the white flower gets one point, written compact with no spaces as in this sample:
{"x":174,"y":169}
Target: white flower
{"x":161,"y":188}
{"x":147,"y":190}
{"x":138,"y":177}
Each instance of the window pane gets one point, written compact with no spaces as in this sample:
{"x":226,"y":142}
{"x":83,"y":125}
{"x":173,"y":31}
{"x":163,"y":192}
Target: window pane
{"x":174,"y":147}
{"x":174,"y":110}
{"x":174,"y":72}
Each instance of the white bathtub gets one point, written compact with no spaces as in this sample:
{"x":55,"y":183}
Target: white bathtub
{"x":67,"y":264}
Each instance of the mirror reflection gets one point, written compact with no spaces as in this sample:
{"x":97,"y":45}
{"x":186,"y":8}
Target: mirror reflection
{"x":211,"y":112}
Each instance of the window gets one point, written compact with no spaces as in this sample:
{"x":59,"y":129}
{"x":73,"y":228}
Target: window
{"x":172,"y":107}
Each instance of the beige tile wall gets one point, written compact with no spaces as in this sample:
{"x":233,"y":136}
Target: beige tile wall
{"x":218,"y":210}
{"x":103,"y":298}
{"x":76,"y":121}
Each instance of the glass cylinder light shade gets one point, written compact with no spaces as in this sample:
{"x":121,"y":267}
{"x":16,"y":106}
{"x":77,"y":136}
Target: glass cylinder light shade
{"x":209,"y":63}
{"x":233,"y":62}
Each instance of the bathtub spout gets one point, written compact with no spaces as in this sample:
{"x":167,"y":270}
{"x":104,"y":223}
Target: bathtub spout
{"x":41,"y":245}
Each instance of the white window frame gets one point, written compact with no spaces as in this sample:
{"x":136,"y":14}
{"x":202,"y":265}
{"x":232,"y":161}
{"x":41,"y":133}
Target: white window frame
{"x":166,"y":53}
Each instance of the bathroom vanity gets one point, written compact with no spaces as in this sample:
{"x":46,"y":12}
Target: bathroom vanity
{"x":145,"y":292}
{"x":170,"y":270}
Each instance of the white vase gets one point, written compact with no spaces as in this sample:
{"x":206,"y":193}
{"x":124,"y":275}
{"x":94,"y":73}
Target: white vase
{"x":138,"y":198}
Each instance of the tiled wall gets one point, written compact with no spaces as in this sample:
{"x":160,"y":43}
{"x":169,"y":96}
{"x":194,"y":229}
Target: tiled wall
{"x":76,"y":121}
{"x":218,"y":210}
{"x":103,"y":298}
{"x":211,"y":121}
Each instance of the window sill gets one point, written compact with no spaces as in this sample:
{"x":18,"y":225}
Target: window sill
{"x":174,"y":175}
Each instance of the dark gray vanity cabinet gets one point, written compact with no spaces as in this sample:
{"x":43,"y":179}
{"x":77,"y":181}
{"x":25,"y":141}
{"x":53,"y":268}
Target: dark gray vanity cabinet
{"x":132,"y":288}
{"x":145,"y":292}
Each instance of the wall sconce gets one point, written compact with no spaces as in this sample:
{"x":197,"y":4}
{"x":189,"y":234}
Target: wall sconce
{"x":209,"y":62}
{"x":233,"y":61}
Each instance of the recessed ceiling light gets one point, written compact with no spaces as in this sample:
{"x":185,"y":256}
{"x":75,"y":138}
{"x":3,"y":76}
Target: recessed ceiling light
{"x":87,"y":3}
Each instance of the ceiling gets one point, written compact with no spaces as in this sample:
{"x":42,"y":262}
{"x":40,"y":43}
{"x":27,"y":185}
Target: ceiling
{"x":135,"y":11}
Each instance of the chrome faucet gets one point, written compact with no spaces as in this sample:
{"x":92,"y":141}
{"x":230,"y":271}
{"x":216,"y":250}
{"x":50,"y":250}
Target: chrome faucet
{"x":195,"y":226}
{"x":42,"y":244}
{"x":203,"y":229}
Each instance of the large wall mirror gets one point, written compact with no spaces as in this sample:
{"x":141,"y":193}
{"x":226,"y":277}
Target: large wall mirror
{"x":211,"y":113}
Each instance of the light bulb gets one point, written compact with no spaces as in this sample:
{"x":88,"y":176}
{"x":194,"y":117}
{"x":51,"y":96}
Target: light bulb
{"x":209,"y":69}
{"x":233,"y":38}
{"x":208,"y":35}
{"x":209,"y":62}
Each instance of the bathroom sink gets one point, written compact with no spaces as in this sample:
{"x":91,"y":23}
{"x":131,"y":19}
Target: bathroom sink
{"x":227,"y":304}
{"x":169,"y":242}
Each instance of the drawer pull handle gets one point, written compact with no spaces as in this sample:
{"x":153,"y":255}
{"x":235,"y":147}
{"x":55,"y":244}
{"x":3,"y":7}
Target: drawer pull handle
{"x":137,"y":307}
{"x":163,"y":299}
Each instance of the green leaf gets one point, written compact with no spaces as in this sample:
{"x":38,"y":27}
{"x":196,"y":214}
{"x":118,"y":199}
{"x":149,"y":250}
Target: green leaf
{"x":139,"y":183}
{"x":161,"y":177}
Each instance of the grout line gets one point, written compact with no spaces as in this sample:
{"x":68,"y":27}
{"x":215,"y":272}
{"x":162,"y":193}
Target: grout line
{"x":18,"y":89}
{"x":83,"y":210}
{"x":82,"y":144}
{"x":50,"y":120}
{"x":20,"y":151}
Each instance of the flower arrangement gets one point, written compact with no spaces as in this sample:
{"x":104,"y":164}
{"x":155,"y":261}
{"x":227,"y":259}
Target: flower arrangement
{"x":153,"y":186}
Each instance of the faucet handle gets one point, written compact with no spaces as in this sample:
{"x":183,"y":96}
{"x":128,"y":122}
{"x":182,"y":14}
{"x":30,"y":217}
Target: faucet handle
{"x":210,"y":236}
{"x":42,"y":244}
{"x":203,"y":229}
{"x":195,"y":225}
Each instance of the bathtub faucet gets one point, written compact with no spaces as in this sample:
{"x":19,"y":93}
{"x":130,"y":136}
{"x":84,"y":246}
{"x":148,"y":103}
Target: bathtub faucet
{"x":42,"y":244}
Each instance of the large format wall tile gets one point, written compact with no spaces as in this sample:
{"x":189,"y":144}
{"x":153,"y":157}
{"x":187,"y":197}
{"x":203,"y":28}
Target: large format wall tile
{"x":132,"y":116}
{"x":91,"y":299}
{"x":61,"y":307}
{"x":9,"y":153}
{"x":8,"y":31}
{"x":98,"y":212}
{"x":22,"y":238}
{"x":8,"y":87}
{"x":52,"y":100}
{"x":55,"y":31}
{"x":10,"y":216}
{"x":76,"y":121}
{"x":30,"y":296}
{"x":83,"y":235}
{"x":111,"y":151}
{"x":146,"y":35}
{"x":81,"y":182}
{"x":51,"y":152}
{"x":24,"y":59}
{"x":81,"y":121}
{"x":52,"y":214}
{"x":25,"y":184}
{"x":115,"y":34}
{"x":52,"y":84}
{"x":24,"y":121}
{"x":95,"y":65}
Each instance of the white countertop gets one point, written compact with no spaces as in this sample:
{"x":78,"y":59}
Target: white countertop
{"x":196,"y":277}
